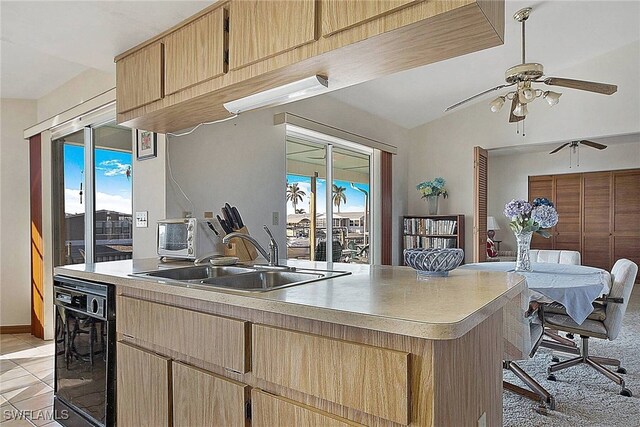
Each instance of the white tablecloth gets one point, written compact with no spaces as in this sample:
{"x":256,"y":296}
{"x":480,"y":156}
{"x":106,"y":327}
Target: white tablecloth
{"x":573,"y":286}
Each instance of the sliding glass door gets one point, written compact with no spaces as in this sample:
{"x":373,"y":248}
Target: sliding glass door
{"x":92,"y":183}
{"x":327,"y":222}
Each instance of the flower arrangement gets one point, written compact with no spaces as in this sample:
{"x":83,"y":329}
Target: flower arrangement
{"x":432,"y":188}
{"x":531,"y":217}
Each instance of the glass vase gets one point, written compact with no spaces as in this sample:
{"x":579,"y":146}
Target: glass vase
{"x":523,"y":241}
{"x":432,"y":205}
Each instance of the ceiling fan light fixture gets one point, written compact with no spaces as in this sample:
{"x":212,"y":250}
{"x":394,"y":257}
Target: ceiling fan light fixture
{"x":520,"y":110}
{"x":496,"y":104}
{"x":551,"y":97}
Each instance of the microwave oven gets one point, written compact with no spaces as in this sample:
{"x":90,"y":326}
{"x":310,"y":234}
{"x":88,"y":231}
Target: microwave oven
{"x":187,"y":238}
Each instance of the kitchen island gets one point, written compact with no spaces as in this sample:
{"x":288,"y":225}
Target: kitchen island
{"x":376,"y":347}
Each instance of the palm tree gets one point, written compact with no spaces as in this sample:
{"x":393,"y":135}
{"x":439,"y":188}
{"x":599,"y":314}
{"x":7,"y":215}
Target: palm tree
{"x":300,"y":211}
{"x":294,"y":194}
{"x":339,"y":196}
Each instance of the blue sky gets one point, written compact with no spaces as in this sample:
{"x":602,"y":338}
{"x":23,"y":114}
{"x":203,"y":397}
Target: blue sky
{"x":355,"y":199}
{"x":113,"y":189}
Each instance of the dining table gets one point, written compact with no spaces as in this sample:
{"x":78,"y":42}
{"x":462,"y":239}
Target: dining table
{"x":576,"y":287}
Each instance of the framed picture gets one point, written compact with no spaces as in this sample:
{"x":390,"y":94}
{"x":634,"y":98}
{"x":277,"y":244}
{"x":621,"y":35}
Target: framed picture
{"x":146,"y":145}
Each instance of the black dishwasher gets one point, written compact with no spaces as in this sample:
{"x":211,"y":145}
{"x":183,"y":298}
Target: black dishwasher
{"x":85,"y":358}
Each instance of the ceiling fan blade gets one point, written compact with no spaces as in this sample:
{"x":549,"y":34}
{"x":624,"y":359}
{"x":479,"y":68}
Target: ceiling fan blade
{"x":592,"y":144}
{"x":477,"y":96}
{"x":559,"y":148}
{"x":512,"y":117}
{"x":603,"y":88}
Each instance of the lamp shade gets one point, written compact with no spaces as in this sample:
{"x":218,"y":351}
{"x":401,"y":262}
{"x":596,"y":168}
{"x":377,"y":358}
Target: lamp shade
{"x":492,"y":224}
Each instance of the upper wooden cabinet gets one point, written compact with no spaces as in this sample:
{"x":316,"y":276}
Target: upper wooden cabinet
{"x":260,"y":29}
{"x":195,"y":53}
{"x":139,"y":77}
{"x":338,"y":15}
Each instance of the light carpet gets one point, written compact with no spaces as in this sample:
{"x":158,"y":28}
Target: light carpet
{"x":583,"y":396}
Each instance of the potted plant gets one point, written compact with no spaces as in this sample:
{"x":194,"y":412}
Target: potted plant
{"x":431,"y":191}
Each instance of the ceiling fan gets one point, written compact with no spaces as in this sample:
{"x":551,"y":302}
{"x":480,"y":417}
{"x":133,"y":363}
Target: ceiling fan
{"x":575,"y":144}
{"x":523,"y":76}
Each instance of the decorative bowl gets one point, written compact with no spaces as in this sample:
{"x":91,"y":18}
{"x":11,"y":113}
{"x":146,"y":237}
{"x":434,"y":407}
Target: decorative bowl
{"x":432,"y":261}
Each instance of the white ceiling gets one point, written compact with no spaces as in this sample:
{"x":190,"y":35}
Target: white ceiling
{"x":46,"y":43}
{"x":632,"y":138}
{"x":559,"y":34}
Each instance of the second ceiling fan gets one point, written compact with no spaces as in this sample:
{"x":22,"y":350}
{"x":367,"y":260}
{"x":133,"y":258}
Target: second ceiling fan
{"x":523,"y":76}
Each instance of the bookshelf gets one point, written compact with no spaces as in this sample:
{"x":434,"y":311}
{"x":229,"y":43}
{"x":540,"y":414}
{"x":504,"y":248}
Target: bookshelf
{"x":433,"y":231}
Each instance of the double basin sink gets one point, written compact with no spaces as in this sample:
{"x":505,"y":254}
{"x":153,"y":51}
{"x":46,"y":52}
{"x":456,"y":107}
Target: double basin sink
{"x":239,"y":278}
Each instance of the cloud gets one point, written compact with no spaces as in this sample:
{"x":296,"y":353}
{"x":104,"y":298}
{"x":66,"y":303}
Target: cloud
{"x":113,"y":167}
{"x":112,"y":202}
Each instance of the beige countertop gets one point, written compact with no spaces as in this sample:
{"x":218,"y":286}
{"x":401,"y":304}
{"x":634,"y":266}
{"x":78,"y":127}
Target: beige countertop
{"x":384,"y":298}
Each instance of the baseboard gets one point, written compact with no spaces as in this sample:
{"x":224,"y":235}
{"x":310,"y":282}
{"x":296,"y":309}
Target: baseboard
{"x":15,"y":329}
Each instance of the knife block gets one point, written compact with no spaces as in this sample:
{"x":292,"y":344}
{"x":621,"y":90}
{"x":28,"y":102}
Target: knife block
{"x":241,"y":248}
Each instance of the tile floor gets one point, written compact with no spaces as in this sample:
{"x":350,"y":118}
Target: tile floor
{"x":26,"y":381}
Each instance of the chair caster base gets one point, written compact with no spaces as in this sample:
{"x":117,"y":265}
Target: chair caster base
{"x":551,"y":377}
{"x":621,"y":370}
{"x":626,"y":392}
{"x":542,"y":410}
{"x":555,"y":359}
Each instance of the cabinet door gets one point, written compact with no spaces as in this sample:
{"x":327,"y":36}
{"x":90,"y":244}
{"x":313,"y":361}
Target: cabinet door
{"x":626,"y":216}
{"x":541,"y":186}
{"x":268,"y":410}
{"x":214,"y":339}
{"x":260,"y":29}
{"x":139,"y":79}
{"x":338,"y":15}
{"x":195,"y":53}
{"x":143,"y":388}
{"x":201,"y":398}
{"x":370,"y":379}
{"x":597,"y":219}
{"x":568,"y":204}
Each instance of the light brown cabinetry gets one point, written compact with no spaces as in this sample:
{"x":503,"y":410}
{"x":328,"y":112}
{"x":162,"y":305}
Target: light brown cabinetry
{"x":201,"y":398}
{"x":599,"y":214}
{"x":268,"y":410}
{"x":214,"y":339}
{"x":371,"y":379}
{"x":196,"y":52}
{"x":143,"y":388}
{"x":272,"y":43}
{"x":261,"y":29}
{"x":139,"y":77}
{"x":339,"y":15}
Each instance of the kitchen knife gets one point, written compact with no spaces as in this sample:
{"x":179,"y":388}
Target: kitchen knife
{"x":224,"y":225}
{"x":212,"y":228}
{"x":237,"y":217}
{"x":227,"y":216}
{"x":234,"y":220}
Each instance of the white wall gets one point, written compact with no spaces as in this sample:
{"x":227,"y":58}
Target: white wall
{"x":445,"y":147}
{"x":79,"y":89}
{"x":508,"y":175}
{"x":149,"y":194}
{"x":242,"y":162}
{"x":15,"y":249}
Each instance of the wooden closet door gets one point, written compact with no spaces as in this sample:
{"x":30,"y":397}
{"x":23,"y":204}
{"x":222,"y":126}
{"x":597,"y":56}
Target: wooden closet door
{"x":541,"y":186}
{"x":568,"y":231}
{"x":480,"y":191}
{"x":596,"y":245}
{"x":626,"y":216}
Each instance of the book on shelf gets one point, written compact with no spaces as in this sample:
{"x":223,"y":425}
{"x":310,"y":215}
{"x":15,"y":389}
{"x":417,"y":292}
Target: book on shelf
{"x":413,"y":242}
{"x":429,"y":226}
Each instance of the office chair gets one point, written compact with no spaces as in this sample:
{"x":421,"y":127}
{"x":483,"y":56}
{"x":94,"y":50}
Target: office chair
{"x":623,"y":276}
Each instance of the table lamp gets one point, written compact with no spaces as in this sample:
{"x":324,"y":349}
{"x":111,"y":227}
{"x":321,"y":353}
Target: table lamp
{"x":492,"y":225}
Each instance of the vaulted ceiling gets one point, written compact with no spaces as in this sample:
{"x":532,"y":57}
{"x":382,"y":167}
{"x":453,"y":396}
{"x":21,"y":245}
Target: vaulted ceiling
{"x":46,"y":43}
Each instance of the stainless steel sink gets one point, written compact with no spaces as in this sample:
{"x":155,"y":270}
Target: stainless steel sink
{"x":197,"y":272}
{"x":263,"y":280}
{"x":238,"y":278}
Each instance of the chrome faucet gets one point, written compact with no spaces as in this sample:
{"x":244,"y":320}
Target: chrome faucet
{"x":272,"y":256}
